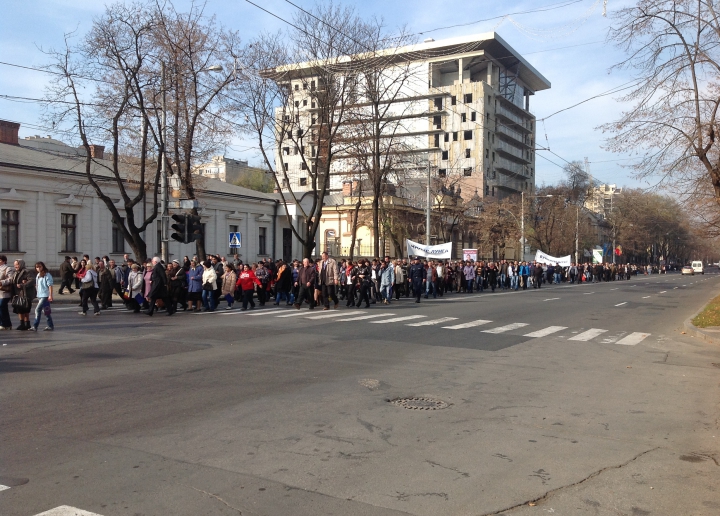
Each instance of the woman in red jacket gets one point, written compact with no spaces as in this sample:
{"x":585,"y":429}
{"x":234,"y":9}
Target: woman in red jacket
{"x":246,"y":282}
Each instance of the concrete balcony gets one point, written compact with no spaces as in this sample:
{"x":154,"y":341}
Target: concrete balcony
{"x":517,"y":122}
{"x":510,"y":167}
{"x":515,"y":136}
{"x":512,"y":152}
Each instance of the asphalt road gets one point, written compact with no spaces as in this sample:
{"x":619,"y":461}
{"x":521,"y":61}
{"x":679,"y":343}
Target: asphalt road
{"x":576,"y":399}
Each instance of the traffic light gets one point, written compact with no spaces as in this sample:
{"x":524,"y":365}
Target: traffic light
{"x":194,"y":228}
{"x":181,"y":228}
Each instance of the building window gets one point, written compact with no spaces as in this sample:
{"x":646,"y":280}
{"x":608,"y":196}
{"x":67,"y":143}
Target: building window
{"x":303,"y":181}
{"x":68,"y":229}
{"x":444,"y":154}
{"x":10,"y":230}
{"x":455,"y":136}
{"x":493,"y":191}
{"x":468,"y":135}
{"x":438,"y":103}
{"x":437,"y":121}
{"x":286,"y":151}
{"x":447,"y":137}
{"x":453,"y":100}
{"x":472,"y":116}
{"x":297,"y":87}
{"x":312,"y":86}
{"x":468,"y":98}
{"x":467,"y":171}
{"x":297,"y":103}
{"x":467,"y":153}
{"x":305,"y":102}
{"x":487,"y":190}
{"x":442,"y":172}
{"x":303,"y":166}
{"x":313,"y":104}
{"x":262,"y":241}
{"x":487,"y":153}
{"x":437,"y":140}
{"x":286,"y":166}
{"x":305,"y":86}
{"x":463,"y":117}
{"x":118,"y":241}
{"x":297,"y":118}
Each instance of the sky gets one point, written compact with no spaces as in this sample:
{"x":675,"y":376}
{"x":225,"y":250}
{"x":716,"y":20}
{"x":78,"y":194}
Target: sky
{"x":566,"y":43}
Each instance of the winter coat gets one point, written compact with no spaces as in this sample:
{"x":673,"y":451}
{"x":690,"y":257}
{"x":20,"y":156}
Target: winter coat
{"x":228,"y":283}
{"x":195,"y":277}
{"x":247,"y":280}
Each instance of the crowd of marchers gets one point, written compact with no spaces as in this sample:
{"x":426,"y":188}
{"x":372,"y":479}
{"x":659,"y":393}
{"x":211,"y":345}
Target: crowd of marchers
{"x":196,"y":285}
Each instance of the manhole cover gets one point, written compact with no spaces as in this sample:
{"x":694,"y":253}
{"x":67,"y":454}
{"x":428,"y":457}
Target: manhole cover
{"x":419,"y":403}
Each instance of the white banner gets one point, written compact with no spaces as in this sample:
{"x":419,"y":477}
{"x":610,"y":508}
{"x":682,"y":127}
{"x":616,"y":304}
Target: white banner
{"x":541,"y":257}
{"x":441,"y":251}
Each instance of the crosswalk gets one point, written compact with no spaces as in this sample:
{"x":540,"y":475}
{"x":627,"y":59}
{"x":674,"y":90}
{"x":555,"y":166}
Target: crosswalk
{"x":453,"y":323}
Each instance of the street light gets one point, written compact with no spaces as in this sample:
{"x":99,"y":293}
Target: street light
{"x":165,"y":216}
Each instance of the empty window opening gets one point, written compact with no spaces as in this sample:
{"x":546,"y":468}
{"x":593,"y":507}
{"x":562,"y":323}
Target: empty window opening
{"x":463,"y":117}
{"x":468,"y":98}
{"x":442,"y":172}
{"x":305,"y":102}
{"x":437,"y":121}
{"x":438,"y":103}
{"x":472,"y":116}
{"x":455,"y":136}
{"x":468,"y":135}
{"x":286,"y":167}
{"x":297,"y":87}
{"x":467,"y":153}
{"x":437,"y":140}
{"x":303,"y":166}
{"x":447,"y":137}
{"x":444,"y":154}
{"x":453,"y":100}
{"x":467,"y":171}
{"x":297,"y":103}
{"x":303,"y":181}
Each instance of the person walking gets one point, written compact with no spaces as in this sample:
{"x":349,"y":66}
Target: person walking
{"x":328,"y":280}
{"x":135,"y":285}
{"x":306,"y":284}
{"x":228,"y":287}
{"x":66,"y":276}
{"x":158,"y":287}
{"x":6,"y":289}
{"x":23,"y":293}
{"x":284,"y":284}
{"x":246,"y":282}
{"x":416,"y":277}
{"x":177,"y":287}
{"x":106,"y":281}
{"x":194,"y":278}
{"x":209,"y":280}
{"x":387,"y":280}
{"x":89,"y":289}
{"x":44,"y":288}
{"x":469,"y":275}
{"x":400,"y":279}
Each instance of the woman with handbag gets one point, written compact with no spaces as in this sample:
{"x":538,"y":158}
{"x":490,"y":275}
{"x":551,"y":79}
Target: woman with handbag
{"x":209,"y":283}
{"x":89,"y":289}
{"x":44,"y":289}
{"x":23,"y":294}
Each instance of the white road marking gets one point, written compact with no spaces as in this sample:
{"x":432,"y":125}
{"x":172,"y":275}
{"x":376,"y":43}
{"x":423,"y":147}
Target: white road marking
{"x":248,"y":313}
{"x":674,"y":288}
{"x":470,"y":324}
{"x":633,"y":338}
{"x":546,"y":331}
{"x":588,"y":334}
{"x":587,"y":293}
{"x":620,"y":304}
{"x":261,"y":312}
{"x":646,"y":297}
{"x":398,"y":319}
{"x":434,"y":321}
{"x":361,"y":317}
{"x":664,"y":291}
{"x":327,"y":316}
{"x":551,"y":299}
{"x":294,"y":314}
{"x":614,"y":288}
{"x":66,"y":510}
{"x":3,"y":488}
{"x":507,"y":327}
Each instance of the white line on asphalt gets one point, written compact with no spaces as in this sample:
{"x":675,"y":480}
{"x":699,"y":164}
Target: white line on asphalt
{"x":361,"y":317}
{"x":267,"y":311}
{"x":66,"y":510}
{"x":646,"y":297}
{"x":3,"y":488}
{"x":684,"y":285}
{"x":546,"y":331}
{"x":587,"y":335}
{"x":620,"y":304}
{"x":587,"y":293}
{"x":551,"y":299}
{"x":398,"y":319}
{"x":674,"y":288}
{"x":294,"y":314}
{"x":470,"y":324}
{"x":507,"y":327}
{"x":434,"y":321}
{"x":614,"y":288}
{"x":327,"y":316}
{"x":663,"y":291}
{"x":246,"y":313}
{"x":632,"y":339}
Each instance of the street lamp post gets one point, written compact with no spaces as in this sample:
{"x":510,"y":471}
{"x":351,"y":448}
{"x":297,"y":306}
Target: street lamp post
{"x":427,"y":214}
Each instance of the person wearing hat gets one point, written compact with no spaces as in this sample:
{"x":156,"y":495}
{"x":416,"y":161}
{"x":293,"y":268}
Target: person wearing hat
{"x":178,"y":287}
{"x":416,"y":277}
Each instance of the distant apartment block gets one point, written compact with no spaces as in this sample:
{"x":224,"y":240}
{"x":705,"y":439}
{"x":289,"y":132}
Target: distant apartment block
{"x":223,"y":169}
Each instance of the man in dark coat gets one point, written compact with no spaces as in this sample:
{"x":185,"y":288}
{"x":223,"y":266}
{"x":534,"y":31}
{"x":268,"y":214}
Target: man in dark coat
{"x":416,"y":277}
{"x":66,"y":276}
{"x":306,"y":284}
{"x":158,"y":286}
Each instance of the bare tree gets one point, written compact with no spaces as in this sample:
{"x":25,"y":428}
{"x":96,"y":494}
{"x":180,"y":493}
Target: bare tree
{"x":672,"y":125}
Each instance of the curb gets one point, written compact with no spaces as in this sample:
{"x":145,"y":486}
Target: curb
{"x":712,"y":336}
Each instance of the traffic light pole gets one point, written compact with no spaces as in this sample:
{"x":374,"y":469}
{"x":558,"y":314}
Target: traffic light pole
{"x":164,"y":218}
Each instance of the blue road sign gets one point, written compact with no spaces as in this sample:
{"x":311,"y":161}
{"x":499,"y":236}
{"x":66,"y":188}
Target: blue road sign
{"x":235,"y":240}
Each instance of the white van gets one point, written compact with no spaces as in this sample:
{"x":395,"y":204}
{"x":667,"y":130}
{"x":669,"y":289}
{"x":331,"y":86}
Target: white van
{"x":698,"y":267}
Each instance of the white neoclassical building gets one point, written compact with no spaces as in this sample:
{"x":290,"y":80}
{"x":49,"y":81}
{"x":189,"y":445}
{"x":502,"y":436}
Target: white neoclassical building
{"x":49,"y":210}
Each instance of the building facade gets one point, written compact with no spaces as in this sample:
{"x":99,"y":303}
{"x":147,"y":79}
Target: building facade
{"x":464,"y":106}
{"x":48,"y":210}
{"x":223,"y":169}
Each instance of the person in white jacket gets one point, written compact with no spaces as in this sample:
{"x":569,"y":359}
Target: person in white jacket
{"x":209,"y":284}
{"x":136,"y":283}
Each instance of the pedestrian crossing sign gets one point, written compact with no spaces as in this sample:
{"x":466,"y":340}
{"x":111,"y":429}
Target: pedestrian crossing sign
{"x":235,"y":240}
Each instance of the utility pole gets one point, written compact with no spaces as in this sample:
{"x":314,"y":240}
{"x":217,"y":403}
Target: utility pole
{"x":577,"y":234}
{"x":429,"y":204}
{"x":522,"y":226}
{"x":164,"y":219}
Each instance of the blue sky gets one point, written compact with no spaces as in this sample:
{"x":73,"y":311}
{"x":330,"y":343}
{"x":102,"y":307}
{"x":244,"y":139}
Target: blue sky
{"x":566,"y":44}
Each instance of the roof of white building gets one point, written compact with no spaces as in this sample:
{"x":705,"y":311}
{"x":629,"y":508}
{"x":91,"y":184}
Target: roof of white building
{"x":54,"y":162}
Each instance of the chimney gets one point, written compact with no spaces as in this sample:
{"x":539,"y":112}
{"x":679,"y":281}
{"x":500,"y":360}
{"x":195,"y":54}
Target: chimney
{"x":347,"y":188}
{"x":9,"y":132}
{"x":97,"y":151}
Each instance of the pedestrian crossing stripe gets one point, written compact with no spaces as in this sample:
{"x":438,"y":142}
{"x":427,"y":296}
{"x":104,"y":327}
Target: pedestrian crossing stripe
{"x":3,"y":488}
{"x":470,"y":324}
{"x":326,"y":316}
{"x":546,"y":331}
{"x":633,"y":339}
{"x":588,"y":335}
{"x":398,"y":319}
{"x":507,"y":327}
{"x":434,"y":321}
{"x":363,"y":317}
{"x":66,"y":510}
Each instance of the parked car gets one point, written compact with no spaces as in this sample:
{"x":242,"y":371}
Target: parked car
{"x":688,"y":270}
